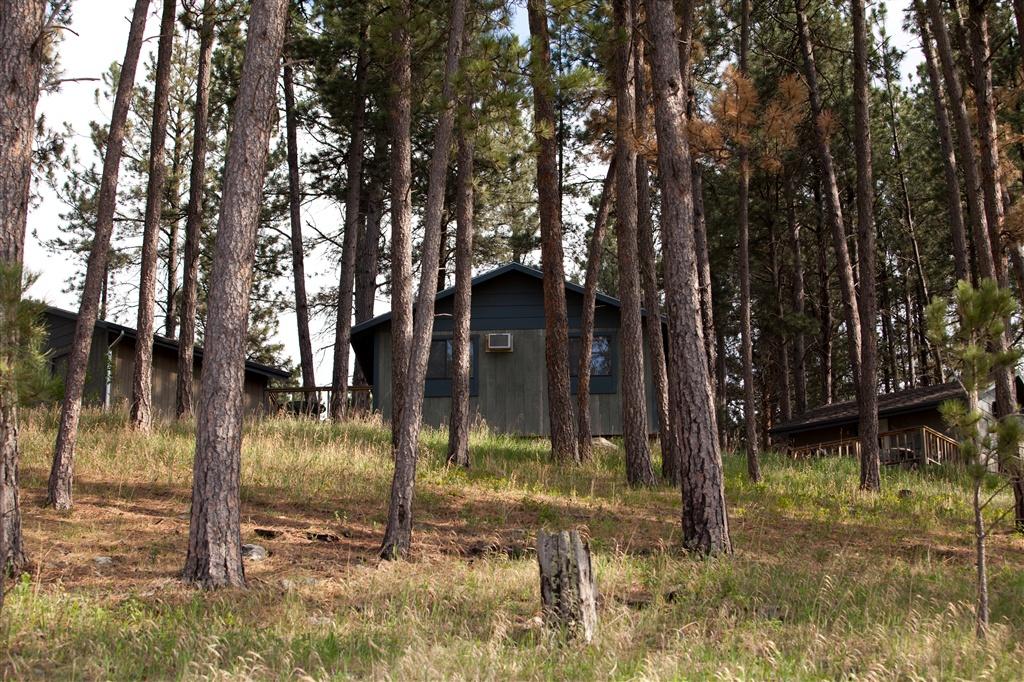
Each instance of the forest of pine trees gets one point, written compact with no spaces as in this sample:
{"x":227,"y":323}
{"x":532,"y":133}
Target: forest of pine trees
{"x":788,"y":182}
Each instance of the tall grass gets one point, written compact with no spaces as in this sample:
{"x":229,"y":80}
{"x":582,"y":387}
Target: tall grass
{"x":826,"y":582}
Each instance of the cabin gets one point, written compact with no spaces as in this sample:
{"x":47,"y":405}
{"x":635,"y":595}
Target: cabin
{"x":911,"y":428}
{"x":108,"y":378}
{"x":508,"y":379}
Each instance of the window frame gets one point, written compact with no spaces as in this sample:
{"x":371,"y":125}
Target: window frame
{"x":605,"y":384}
{"x":442,"y":388}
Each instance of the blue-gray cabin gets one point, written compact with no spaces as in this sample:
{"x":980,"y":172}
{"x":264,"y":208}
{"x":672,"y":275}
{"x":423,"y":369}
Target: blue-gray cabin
{"x":508,"y":385}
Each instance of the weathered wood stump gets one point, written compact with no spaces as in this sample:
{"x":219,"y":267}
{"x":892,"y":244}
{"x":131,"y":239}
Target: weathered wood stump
{"x":567,"y":589}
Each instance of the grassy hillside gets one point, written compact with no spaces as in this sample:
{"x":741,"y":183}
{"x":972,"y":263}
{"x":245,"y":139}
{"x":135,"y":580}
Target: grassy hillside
{"x":825,"y":583}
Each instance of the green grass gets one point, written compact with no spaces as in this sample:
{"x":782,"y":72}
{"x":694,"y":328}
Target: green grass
{"x":826,"y":582}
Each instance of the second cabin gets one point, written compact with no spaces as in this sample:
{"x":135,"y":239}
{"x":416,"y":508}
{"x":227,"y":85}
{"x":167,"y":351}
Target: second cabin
{"x":508,"y":379}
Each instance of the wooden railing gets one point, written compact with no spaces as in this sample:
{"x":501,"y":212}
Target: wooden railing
{"x":314,"y":401}
{"x":918,"y":445}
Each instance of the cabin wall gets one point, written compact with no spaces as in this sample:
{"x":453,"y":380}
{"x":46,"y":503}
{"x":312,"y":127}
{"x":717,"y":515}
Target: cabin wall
{"x":60,"y":332}
{"x":512,"y":396}
{"x":165,"y":381}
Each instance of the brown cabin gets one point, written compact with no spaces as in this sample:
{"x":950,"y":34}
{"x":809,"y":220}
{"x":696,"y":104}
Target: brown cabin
{"x":108,"y":378}
{"x":911,"y":429}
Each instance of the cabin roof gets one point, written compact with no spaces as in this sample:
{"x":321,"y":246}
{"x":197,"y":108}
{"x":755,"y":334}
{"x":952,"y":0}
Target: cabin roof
{"x":500,"y":271}
{"x":889,"y":404}
{"x":166,"y":343}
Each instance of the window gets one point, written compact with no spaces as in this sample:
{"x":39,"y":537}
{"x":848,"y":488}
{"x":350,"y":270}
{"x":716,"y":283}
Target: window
{"x":441,"y":362}
{"x":441,"y":365}
{"x":602,"y":364}
{"x":600,"y":356}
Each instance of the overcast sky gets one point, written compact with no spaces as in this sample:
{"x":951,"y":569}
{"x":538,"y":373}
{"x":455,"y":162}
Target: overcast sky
{"x":100,"y":32}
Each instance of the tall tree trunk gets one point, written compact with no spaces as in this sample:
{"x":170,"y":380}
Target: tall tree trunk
{"x":194,"y":215}
{"x":141,"y":413}
{"x":835,"y":209}
{"x":670,"y":458}
{"x":704,"y":519}
{"x":639,"y":471}
{"x":368,"y":261}
{"x":988,"y":135}
{"x":781,"y":360}
{"x":965,"y":141}
{"x":886,"y":312}
{"x":908,"y":219}
{"x":595,"y":251}
{"x":746,"y":333}
{"x":350,"y":243}
{"x":172,"y":193}
{"x":799,"y":300}
{"x":556,"y":320}
{"x":700,"y":235}
{"x":58,"y":492}
{"x":824,"y":304}
{"x":295,"y":218}
{"x":399,"y":124}
{"x":458,"y":424}
{"x":961,"y":252}
{"x":870,"y":465}
{"x":398,"y":534}
{"x":22,"y":52}
{"x":214,"y":556}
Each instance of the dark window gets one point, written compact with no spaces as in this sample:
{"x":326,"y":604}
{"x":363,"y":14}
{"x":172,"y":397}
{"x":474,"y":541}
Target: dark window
{"x":441,"y":362}
{"x":600,"y":356}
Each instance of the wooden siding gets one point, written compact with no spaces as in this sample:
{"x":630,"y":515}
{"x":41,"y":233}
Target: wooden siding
{"x":512,"y":396}
{"x":165,"y":381}
{"x":60,"y":332}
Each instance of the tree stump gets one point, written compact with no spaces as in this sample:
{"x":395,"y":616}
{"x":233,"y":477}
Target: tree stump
{"x":567,"y":589}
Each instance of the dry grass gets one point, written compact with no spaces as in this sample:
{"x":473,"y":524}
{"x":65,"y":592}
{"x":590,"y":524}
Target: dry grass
{"x":825,"y":583}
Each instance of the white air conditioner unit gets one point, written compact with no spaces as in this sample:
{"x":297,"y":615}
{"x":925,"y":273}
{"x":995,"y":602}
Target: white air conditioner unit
{"x":499,"y":343}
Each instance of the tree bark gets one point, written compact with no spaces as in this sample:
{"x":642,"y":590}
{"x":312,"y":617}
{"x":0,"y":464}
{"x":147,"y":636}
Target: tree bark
{"x":194,"y":215}
{"x":961,"y":254}
{"x":295,"y":218}
{"x":458,"y":425}
{"x":141,"y":412}
{"x":835,"y":210}
{"x":367,"y":264}
{"x":22,"y":53}
{"x":398,"y":534}
{"x":567,"y":590}
{"x":746,"y":333}
{"x":870,"y":465}
{"x":639,"y":471}
{"x":704,"y":518}
{"x":343,"y":325}
{"x":799,"y":300}
{"x":399,"y":124}
{"x":594,"y":254}
{"x":61,"y":472}
{"x":993,"y":196}
{"x":965,"y":141}
{"x":824,"y":305}
{"x":214,"y":556}
{"x":670,"y":458}
{"x":700,"y":235}
{"x":556,"y":321}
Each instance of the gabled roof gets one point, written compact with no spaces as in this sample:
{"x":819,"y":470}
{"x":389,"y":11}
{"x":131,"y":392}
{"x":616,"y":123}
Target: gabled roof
{"x":501,"y":271}
{"x":166,"y":343}
{"x":890,"y":404}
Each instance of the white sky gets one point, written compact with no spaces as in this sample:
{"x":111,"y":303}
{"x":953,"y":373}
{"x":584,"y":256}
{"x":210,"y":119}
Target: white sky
{"x":100,"y":32}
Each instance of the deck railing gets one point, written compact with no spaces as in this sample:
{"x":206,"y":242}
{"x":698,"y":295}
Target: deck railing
{"x":315,"y":401}
{"x":918,"y":445}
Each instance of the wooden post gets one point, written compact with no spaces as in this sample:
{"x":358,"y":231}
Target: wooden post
{"x":567,"y":589}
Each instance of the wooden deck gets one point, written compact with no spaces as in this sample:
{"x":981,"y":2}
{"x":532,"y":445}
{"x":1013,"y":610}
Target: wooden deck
{"x":916,"y":446}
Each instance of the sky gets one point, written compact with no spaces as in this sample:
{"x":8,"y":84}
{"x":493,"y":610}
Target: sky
{"x":99,"y":31}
